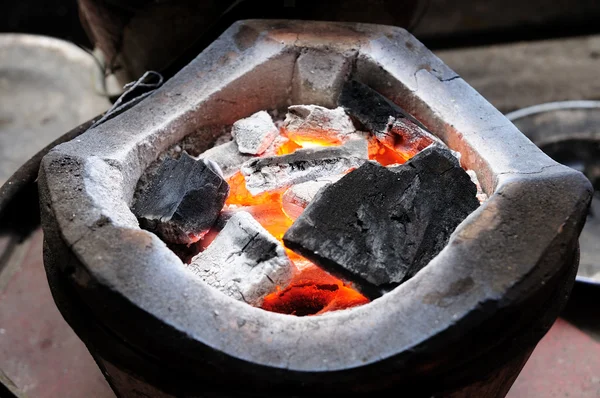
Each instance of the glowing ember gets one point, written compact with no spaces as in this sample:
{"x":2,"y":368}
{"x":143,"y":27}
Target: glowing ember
{"x":239,"y":195}
{"x":384,"y":155}
{"x":313,"y":292}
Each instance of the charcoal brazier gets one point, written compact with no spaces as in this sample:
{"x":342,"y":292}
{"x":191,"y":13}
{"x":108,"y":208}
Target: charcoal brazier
{"x":463,"y":325}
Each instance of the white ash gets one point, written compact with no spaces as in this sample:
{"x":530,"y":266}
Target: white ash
{"x":481,"y":196}
{"x":244,"y":261}
{"x":255,"y":133}
{"x":297,"y":197}
{"x":227,"y":157}
{"x":316,"y":123}
{"x":269,"y":173}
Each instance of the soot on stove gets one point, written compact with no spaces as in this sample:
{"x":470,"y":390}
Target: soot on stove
{"x":322,"y":211}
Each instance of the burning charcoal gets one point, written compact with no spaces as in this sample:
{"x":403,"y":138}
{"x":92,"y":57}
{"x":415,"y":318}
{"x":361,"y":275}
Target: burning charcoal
{"x":227,"y":157}
{"x":387,"y":121}
{"x":268,"y":173}
{"x":244,"y":261}
{"x":378,"y":226}
{"x":254,"y":134}
{"x":183,"y":201}
{"x":296,"y":198}
{"x":278,"y":143}
{"x":315,"y":124}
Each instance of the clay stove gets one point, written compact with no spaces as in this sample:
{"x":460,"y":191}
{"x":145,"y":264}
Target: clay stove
{"x":463,"y":324}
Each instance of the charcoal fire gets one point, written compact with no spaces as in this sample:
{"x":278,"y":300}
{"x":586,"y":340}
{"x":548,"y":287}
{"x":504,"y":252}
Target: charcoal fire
{"x":378,"y":226}
{"x":269,"y":173}
{"x":244,"y":261}
{"x":313,"y":292}
{"x":183,"y":201}
{"x":356,"y":222}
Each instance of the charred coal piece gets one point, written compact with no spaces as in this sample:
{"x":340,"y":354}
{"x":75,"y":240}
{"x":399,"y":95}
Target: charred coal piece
{"x":370,"y":108}
{"x":254,"y":134}
{"x":379,"y":226}
{"x":406,"y":137}
{"x":318,"y":124}
{"x":386,"y":120}
{"x":244,"y":261}
{"x":183,"y":201}
{"x":269,"y":173}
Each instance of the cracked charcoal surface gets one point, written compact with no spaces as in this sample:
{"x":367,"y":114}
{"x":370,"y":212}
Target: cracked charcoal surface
{"x":255,"y":133}
{"x":183,"y":200}
{"x":244,"y":261}
{"x":390,"y":123}
{"x":269,"y":173}
{"x":379,"y":226}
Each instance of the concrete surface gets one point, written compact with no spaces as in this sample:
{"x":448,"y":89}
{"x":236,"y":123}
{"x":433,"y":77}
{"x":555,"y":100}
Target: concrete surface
{"x":46,"y":89}
{"x":566,"y":363}
{"x":39,"y":353}
{"x":513,"y":76}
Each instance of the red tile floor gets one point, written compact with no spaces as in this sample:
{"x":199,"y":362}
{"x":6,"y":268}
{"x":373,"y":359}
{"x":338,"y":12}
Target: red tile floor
{"x":40,"y":356}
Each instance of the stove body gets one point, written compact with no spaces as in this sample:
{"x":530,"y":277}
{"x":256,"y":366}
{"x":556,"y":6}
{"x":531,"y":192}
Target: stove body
{"x":463,"y":325}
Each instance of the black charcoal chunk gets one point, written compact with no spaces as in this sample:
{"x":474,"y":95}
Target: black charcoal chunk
{"x":183,"y":201}
{"x":379,"y":226}
{"x":392,"y":125}
{"x":269,"y":173}
{"x":370,"y":108}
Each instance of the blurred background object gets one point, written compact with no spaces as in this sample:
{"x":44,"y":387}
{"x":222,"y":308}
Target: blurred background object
{"x":569,"y":132}
{"x":46,"y":88}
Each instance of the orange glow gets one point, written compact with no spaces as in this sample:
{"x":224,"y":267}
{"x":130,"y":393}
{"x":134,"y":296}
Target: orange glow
{"x":271,"y":217}
{"x":239,"y":195}
{"x":287,"y":147}
{"x":312,"y":292}
{"x":384,"y":155}
{"x":313,"y":138}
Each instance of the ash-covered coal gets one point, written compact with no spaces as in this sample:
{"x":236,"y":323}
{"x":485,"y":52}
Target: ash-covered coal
{"x":270,"y":173}
{"x":379,"y":226}
{"x":244,"y":261}
{"x":227,"y":156}
{"x":183,"y":201}
{"x":296,"y":198}
{"x":255,"y":133}
{"x":316,"y":124}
